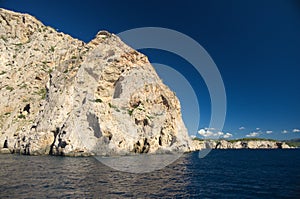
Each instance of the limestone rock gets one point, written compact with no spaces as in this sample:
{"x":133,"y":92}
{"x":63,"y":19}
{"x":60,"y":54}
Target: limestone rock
{"x":285,"y":146}
{"x":223,"y":144}
{"x":237,"y":144}
{"x":5,"y":151}
{"x":198,"y":145}
{"x":62,"y":96}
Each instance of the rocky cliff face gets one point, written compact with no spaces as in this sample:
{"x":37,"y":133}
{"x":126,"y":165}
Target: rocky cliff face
{"x":249,"y":144}
{"x":60,"y":95}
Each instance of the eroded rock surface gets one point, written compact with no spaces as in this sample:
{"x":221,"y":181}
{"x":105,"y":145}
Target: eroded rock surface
{"x":60,"y":95}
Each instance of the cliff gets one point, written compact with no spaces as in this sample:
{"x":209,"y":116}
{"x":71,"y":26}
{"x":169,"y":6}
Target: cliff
{"x":62,"y":96}
{"x":239,"y":144}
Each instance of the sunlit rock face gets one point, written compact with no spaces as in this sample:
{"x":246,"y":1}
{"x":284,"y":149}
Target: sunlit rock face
{"x":62,"y":96}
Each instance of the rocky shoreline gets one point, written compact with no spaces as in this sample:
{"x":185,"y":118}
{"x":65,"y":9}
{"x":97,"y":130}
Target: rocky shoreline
{"x":210,"y":144}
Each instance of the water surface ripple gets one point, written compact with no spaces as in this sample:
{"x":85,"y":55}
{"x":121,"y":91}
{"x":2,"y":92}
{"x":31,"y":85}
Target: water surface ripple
{"x":221,"y":174}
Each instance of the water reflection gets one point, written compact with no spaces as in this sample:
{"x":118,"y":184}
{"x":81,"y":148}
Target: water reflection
{"x":221,"y":174}
{"x":139,"y":163}
{"x":28,"y":176}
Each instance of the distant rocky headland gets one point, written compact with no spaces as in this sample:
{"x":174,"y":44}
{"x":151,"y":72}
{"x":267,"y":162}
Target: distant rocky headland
{"x":244,"y":143}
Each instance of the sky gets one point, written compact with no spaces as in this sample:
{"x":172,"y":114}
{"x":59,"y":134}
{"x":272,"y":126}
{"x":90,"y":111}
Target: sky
{"x":255,"y":45}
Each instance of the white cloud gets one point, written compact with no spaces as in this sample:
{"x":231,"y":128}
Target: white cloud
{"x":205,"y":133}
{"x":253,"y":134}
{"x":269,"y":132}
{"x":296,"y":130}
{"x":227,"y":135}
{"x":220,"y":133}
{"x":257,"y":129}
{"x":209,"y":133}
{"x":284,"y":131}
{"x":193,"y":136}
{"x":242,"y":128}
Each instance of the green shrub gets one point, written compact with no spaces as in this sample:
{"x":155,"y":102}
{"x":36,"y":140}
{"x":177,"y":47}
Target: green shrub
{"x":130,"y":111}
{"x":9,"y":88}
{"x":251,"y":139}
{"x":3,"y":72}
{"x":42,"y":92}
{"x":4,"y":38}
{"x":52,"y":49}
{"x":199,"y":139}
{"x":21,"y":116}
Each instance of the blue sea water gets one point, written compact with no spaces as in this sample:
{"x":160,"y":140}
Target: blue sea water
{"x":221,"y":174}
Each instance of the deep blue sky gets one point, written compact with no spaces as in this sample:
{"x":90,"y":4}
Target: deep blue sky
{"x":255,"y":44}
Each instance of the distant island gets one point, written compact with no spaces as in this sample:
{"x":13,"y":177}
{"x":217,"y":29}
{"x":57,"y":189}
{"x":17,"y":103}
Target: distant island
{"x":245,"y":143}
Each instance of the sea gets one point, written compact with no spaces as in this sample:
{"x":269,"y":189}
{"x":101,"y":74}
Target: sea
{"x":220,"y":174}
